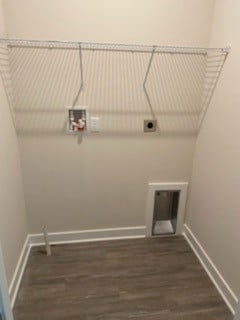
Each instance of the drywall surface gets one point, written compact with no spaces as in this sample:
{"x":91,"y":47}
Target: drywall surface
{"x":214,"y":206}
{"x":102,"y":182}
{"x":13,"y":227}
{"x":135,"y":21}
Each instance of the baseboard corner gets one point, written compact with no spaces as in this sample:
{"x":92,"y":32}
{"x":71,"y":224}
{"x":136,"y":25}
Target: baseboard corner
{"x":218,"y":280}
{"x":19,"y":270}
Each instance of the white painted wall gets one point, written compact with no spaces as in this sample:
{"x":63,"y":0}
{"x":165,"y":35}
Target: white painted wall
{"x":13,"y":227}
{"x":103,"y":182}
{"x":214,"y":206}
{"x":128,"y":21}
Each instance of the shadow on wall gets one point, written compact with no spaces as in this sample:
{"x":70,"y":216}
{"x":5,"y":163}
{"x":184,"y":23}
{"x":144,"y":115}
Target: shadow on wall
{"x":45,"y":81}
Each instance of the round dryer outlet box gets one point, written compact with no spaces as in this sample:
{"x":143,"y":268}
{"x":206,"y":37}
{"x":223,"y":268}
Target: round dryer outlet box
{"x":150,"y":125}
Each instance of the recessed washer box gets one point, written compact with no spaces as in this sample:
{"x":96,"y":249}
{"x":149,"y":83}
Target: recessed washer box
{"x":74,"y":114}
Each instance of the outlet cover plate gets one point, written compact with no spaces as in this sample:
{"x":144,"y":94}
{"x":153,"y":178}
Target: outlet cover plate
{"x":95,"y":124}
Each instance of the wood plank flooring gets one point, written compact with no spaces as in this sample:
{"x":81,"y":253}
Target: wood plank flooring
{"x":136,"y":279}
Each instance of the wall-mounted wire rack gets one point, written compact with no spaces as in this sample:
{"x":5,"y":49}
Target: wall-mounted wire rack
{"x":122,"y":83}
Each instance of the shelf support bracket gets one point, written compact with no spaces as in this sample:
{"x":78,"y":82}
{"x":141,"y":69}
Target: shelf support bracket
{"x":81,"y":75}
{"x":149,"y":67}
{"x":145,"y":89}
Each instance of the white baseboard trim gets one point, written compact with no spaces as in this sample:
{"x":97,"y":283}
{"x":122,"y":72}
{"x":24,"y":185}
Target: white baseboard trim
{"x":89,"y":235}
{"x":17,"y":276}
{"x":220,"y":283}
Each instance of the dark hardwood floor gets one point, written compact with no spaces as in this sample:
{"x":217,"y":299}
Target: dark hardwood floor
{"x":124,"y":279}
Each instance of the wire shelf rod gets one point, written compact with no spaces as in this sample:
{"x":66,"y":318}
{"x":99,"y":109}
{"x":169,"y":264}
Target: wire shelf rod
{"x":58,"y":44}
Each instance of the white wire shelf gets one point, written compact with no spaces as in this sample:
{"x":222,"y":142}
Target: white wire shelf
{"x":171,"y":84}
{"x":60,"y":44}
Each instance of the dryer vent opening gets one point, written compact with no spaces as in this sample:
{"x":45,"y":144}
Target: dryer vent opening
{"x":165,"y":208}
{"x":165,"y":212}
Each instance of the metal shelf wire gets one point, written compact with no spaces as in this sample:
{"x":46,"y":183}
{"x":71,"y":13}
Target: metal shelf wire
{"x":122,"y":83}
{"x":60,"y":44}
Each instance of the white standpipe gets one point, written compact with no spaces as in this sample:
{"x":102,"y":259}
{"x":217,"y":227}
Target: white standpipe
{"x":47,"y":245}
